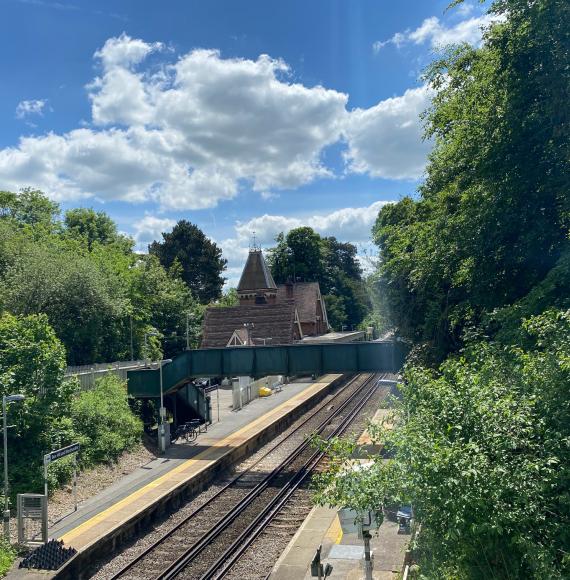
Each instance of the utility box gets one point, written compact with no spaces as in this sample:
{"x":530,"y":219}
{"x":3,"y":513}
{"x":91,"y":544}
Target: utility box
{"x":353,"y":522}
{"x":32,"y":519}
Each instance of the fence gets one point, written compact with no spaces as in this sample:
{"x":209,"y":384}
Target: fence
{"x":246,"y":390}
{"x":88,"y":374}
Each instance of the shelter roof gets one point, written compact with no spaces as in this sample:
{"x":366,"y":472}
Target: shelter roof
{"x":274,"y":321}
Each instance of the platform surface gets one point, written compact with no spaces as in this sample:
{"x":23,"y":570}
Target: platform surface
{"x":136,"y":491}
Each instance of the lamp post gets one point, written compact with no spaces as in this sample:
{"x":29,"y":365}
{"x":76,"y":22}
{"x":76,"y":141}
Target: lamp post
{"x":162,"y":411}
{"x":7,"y":399}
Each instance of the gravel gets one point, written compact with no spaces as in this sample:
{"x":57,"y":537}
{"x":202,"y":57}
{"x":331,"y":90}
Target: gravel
{"x":92,"y":481}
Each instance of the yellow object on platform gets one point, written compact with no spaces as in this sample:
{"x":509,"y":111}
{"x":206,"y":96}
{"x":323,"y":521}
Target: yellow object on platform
{"x":265,"y":392}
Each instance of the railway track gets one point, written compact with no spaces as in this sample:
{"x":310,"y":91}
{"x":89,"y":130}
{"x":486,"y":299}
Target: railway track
{"x":211,"y":539}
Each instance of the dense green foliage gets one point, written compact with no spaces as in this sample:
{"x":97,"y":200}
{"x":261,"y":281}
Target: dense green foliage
{"x":194,"y":257}
{"x":93,"y":227}
{"x":494,"y":211}
{"x":475,"y":273}
{"x":303,"y":255}
{"x":99,"y":296}
{"x":32,"y":362}
{"x":103,"y":421}
{"x":29,"y":207}
{"x":7,"y":557}
{"x":481,"y":451}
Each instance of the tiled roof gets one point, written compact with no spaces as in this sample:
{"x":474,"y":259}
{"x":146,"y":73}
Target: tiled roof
{"x":275,"y":321}
{"x":305,"y":295}
{"x":256,"y":274}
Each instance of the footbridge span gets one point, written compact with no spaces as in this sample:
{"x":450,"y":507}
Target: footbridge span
{"x":259,"y":361}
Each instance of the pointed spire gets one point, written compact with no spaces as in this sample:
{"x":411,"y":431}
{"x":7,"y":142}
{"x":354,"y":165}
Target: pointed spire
{"x":256,"y":274}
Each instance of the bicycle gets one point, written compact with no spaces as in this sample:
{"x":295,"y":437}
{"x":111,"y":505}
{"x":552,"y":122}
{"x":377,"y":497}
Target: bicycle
{"x":188,"y":430}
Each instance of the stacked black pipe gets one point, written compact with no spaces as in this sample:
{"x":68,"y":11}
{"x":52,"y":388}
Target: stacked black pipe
{"x":49,"y":556}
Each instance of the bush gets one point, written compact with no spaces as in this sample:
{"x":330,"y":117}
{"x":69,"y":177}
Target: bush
{"x":7,"y":556}
{"x":480,"y":450}
{"x":104,"y":423}
{"x":32,"y":362}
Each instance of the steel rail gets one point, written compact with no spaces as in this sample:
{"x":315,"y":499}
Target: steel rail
{"x":129,"y":565}
{"x":249,"y":535}
{"x":182,"y":562}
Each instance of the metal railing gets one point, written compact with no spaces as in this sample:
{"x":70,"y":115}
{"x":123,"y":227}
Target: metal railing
{"x":88,"y":374}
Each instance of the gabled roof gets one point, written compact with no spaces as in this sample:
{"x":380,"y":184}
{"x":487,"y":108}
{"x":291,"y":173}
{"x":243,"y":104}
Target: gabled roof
{"x":305,"y":296}
{"x":256,"y":274}
{"x":275,"y":321}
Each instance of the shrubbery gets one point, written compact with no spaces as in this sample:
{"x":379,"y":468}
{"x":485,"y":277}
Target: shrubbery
{"x":7,"y":557}
{"x":104,"y":423}
{"x":32,"y":362}
{"x":481,"y":451}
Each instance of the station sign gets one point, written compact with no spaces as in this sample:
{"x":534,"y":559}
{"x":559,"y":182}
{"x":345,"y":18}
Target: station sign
{"x":59,"y":453}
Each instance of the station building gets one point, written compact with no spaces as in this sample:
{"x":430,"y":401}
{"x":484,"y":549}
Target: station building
{"x":268,"y":313}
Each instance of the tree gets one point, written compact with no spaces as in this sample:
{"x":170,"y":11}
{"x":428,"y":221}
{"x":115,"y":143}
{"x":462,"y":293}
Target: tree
{"x":479,"y":267}
{"x":299,"y":255}
{"x":199,"y":258}
{"x":229,"y":298}
{"x":303,"y":255}
{"x":82,"y":301}
{"x":32,"y":362}
{"x":163,"y":302}
{"x":103,"y":421}
{"x":93,"y":227}
{"x":494,"y":211}
{"x":480,"y":450}
{"x":29,"y":207}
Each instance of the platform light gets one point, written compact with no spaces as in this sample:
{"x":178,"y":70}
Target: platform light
{"x":5,"y":400}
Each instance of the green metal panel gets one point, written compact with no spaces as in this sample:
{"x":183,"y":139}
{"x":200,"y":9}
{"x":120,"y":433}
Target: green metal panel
{"x":341,"y":357}
{"x":238,"y":362}
{"x":270,"y":360}
{"x":143,"y":383}
{"x":177,"y":371}
{"x":374,"y":355}
{"x":206,"y":362}
{"x":306,"y":359}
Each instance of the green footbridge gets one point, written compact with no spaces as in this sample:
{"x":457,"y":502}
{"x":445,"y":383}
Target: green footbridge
{"x":260,"y":361}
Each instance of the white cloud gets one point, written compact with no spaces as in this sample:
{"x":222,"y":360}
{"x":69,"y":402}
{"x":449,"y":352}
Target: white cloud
{"x":386,"y":140}
{"x":464,"y":9}
{"x":150,"y":228}
{"x":351,"y":224}
{"x":32,"y":107}
{"x":124,"y":51}
{"x":191,"y":134}
{"x":434,"y":32}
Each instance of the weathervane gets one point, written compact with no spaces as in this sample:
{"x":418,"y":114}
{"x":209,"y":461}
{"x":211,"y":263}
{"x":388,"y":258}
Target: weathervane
{"x":254,"y":245}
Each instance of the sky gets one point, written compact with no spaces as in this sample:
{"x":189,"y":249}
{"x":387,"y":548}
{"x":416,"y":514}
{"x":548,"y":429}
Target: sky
{"x":239,"y":116}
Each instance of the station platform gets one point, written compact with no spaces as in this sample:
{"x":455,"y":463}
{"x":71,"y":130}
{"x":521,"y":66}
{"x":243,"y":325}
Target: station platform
{"x":185,"y":469}
{"x":344,"y":552}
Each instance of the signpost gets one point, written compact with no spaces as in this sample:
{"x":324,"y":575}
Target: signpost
{"x":60,"y":454}
{"x":362,"y":522}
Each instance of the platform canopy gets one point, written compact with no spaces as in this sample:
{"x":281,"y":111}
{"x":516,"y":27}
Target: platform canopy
{"x":259,"y":361}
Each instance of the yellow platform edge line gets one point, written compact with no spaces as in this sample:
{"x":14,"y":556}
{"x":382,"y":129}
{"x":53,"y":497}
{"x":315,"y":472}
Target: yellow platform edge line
{"x":334,"y":533}
{"x":96,"y":519}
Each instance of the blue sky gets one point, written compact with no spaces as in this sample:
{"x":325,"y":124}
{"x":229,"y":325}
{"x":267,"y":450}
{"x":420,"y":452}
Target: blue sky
{"x":238,"y":116}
